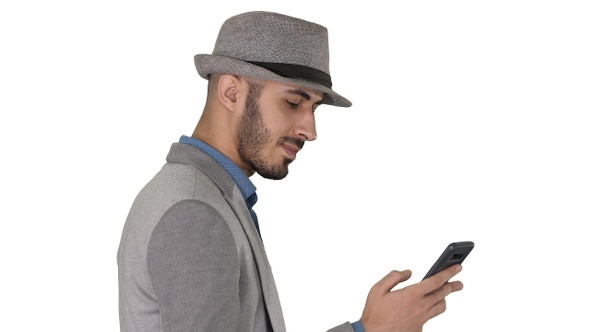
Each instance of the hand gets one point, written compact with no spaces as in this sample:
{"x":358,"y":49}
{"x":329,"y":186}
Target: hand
{"x":409,"y":308}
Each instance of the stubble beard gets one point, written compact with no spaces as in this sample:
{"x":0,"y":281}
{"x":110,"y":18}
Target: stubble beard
{"x":253,"y":136}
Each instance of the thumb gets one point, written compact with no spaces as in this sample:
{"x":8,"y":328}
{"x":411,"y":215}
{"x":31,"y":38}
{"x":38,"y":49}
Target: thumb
{"x":391,"y":280}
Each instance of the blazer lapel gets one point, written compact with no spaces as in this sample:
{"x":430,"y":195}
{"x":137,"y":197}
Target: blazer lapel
{"x":269,"y":288}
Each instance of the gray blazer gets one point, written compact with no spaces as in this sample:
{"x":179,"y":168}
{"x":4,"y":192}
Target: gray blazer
{"x":190,"y":258}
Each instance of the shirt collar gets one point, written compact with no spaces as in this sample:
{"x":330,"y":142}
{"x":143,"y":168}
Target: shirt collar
{"x":246,"y":186}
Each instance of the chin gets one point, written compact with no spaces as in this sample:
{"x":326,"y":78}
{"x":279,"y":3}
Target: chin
{"x":274,"y":173}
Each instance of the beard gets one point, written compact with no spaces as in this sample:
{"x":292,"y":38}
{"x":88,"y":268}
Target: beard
{"x":253,"y":137}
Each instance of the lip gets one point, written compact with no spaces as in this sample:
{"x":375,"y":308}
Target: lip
{"x":290,"y":150}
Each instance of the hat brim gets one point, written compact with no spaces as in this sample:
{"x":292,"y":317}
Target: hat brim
{"x":207,"y":64}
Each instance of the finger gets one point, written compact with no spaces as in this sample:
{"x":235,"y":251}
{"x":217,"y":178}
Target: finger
{"x":441,"y":293}
{"x":437,"y":309}
{"x":393,"y":278}
{"x":441,"y":278}
{"x":438,"y":297}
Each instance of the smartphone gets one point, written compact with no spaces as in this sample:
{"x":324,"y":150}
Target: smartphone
{"x":454,"y":253}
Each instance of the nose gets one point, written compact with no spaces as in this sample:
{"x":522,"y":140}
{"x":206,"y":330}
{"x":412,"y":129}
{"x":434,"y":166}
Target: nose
{"x":306,"y":127}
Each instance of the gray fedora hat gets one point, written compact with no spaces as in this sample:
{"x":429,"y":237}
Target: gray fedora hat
{"x":274,"y":47}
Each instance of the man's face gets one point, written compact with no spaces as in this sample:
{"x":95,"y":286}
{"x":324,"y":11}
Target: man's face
{"x":277,"y":120}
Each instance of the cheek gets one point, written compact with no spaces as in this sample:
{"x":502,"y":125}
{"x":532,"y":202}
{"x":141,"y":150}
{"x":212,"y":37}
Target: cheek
{"x":278,"y":122}
{"x":277,"y":126}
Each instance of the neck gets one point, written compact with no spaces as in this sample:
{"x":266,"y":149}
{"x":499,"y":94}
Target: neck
{"x":223,"y":144}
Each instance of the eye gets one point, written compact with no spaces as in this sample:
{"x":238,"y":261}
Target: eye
{"x":292,"y":105}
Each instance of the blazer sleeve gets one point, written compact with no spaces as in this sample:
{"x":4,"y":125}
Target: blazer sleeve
{"x":346,"y":327}
{"x":194,"y":268}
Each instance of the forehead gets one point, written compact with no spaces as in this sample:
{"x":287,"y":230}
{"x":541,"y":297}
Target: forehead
{"x":286,"y":88}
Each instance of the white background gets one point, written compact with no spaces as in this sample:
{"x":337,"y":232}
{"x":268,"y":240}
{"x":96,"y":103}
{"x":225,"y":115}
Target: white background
{"x":470,"y":121}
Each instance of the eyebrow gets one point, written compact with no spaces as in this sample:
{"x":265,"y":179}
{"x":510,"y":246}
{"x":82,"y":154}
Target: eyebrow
{"x":303,"y":94}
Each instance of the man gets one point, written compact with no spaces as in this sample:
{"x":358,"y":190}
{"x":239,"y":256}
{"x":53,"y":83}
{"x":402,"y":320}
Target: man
{"x":191,"y":257}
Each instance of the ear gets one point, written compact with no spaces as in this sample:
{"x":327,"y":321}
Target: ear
{"x":230,"y":90}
